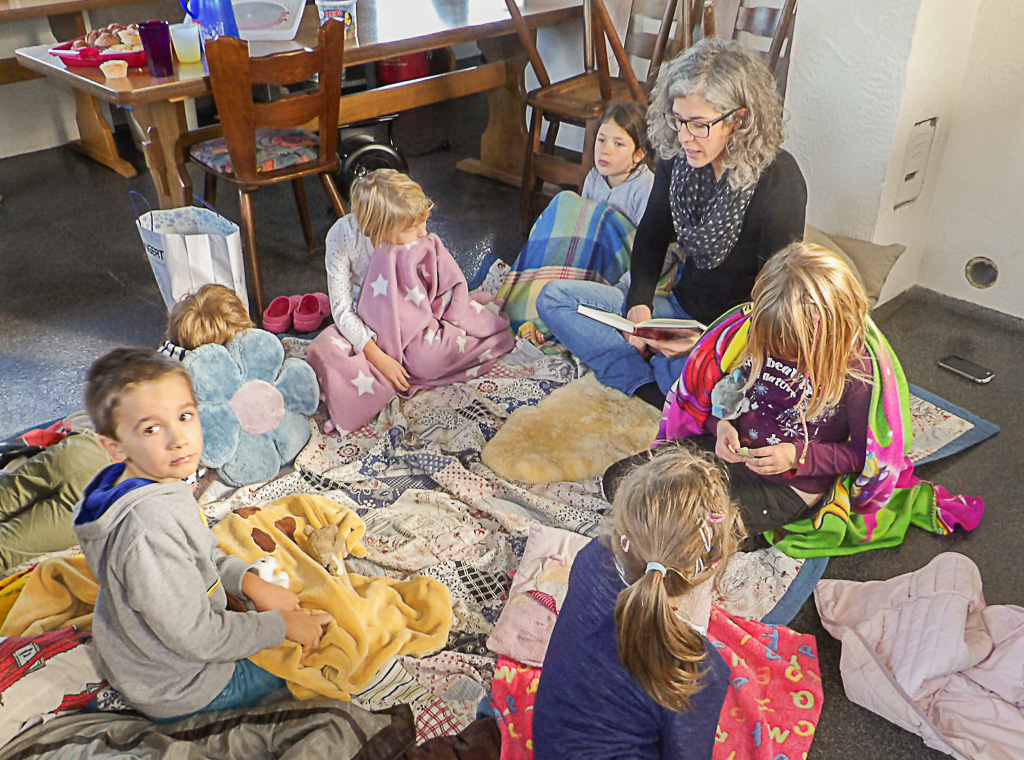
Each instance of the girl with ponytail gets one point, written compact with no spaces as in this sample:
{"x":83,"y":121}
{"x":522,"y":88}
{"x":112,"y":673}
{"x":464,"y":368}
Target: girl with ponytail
{"x":629,"y":671}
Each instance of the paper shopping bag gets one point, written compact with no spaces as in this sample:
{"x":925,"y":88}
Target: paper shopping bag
{"x":190,"y":247}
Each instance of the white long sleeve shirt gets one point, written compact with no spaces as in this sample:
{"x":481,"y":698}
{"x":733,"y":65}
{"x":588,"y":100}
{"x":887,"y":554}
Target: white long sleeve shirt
{"x":347,"y":258}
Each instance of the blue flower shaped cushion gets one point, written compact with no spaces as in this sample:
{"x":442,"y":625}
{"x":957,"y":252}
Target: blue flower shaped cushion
{"x":254,"y":405}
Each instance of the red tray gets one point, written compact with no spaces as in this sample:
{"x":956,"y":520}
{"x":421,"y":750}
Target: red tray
{"x":93,"y":57}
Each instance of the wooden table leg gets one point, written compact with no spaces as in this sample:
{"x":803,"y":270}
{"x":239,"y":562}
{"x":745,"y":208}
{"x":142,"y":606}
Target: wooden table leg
{"x":503,"y":143}
{"x":163,"y":122}
{"x":97,"y":139}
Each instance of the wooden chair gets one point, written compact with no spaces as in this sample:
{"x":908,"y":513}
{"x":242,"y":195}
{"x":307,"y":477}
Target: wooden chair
{"x":768,"y":30}
{"x":579,"y":100}
{"x":259,"y":143}
{"x":658,"y":31}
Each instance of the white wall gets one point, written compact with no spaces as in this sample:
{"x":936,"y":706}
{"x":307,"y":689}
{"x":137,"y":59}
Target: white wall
{"x":862,"y":74}
{"x":35,"y":114}
{"x":846,"y":82}
{"x":935,"y":70}
{"x":979,"y":198}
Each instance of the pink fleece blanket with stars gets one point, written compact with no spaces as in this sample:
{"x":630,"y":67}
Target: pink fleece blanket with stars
{"x":416,"y":299}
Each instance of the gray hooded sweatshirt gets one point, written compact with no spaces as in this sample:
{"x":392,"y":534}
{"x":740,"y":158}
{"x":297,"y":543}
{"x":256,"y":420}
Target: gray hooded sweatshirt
{"x":164,"y":635}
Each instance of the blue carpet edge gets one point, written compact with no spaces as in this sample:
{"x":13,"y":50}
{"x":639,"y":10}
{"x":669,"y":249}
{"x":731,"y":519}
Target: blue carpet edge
{"x":982,"y":430}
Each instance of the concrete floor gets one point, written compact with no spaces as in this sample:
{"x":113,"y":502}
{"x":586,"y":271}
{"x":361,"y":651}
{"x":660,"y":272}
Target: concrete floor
{"x":74,"y":283}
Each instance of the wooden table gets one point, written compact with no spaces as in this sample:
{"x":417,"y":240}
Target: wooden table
{"x":384,"y":29}
{"x":66,"y":23}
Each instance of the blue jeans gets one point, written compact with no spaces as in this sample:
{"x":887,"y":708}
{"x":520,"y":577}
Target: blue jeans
{"x":602,"y":348}
{"x":249,"y":684}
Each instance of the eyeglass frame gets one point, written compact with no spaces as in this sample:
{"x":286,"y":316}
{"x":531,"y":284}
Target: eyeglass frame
{"x":671,"y":119}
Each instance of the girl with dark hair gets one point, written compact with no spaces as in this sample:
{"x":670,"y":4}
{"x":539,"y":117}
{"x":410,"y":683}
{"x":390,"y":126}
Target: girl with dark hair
{"x":622,"y":175}
{"x":586,"y":237}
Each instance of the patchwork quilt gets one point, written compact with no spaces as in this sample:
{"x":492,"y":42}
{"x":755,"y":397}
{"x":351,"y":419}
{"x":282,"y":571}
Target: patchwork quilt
{"x":431,"y":508}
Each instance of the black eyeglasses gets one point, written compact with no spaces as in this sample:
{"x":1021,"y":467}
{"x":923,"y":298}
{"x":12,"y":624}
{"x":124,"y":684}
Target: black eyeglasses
{"x":700,"y":129}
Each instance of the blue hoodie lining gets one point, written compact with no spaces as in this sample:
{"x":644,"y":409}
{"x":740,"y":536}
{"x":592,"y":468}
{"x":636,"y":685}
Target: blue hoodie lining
{"x":104,"y":490}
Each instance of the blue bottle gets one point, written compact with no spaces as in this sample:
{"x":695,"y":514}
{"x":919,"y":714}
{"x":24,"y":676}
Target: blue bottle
{"x":216,"y":18}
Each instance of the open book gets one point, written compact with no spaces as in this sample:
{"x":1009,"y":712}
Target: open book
{"x":661,"y":328}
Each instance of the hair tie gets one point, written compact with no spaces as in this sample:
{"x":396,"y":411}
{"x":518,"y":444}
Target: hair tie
{"x":657,"y":567}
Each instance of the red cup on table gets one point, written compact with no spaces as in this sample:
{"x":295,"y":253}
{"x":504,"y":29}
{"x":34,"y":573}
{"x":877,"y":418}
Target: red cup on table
{"x":156,"y":41}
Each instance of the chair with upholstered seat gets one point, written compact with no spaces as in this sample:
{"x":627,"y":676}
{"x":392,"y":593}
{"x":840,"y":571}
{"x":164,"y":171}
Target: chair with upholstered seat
{"x":262,"y":143}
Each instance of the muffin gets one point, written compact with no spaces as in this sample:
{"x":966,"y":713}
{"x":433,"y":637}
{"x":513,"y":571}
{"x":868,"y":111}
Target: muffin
{"x":129,"y":38}
{"x":106,"y":39}
{"x":114,"y":69}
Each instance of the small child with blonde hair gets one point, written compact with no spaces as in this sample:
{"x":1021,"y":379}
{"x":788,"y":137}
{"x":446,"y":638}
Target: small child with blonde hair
{"x":349,"y":250}
{"x":424,"y":328}
{"x":213,"y":314}
{"x":629,"y":671}
{"x":390,"y":207}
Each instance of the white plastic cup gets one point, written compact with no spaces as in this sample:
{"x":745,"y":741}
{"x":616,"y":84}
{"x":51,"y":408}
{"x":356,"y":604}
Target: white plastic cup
{"x":186,"y":42}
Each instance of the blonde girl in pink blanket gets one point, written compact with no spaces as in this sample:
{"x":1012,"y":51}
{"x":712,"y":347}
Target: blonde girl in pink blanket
{"x":428,"y":329}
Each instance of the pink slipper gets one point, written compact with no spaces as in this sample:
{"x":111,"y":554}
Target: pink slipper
{"x":311,"y":312}
{"x":277,"y":317}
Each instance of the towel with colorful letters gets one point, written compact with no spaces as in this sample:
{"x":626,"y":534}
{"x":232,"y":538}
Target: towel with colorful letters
{"x":771,"y":709}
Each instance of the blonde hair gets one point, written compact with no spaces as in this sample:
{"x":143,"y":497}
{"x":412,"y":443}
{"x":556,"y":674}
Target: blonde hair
{"x":660,"y":509}
{"x":214,"y":314}
{"x":387,"y":203}
{"x":728,"y":77}
{"x":809,"y":308}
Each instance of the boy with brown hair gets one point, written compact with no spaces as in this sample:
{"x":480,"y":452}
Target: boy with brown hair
{"x":164,"y":634}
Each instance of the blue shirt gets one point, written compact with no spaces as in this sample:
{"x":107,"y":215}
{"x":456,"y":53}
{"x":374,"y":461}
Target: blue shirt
{"x":589,"y":706}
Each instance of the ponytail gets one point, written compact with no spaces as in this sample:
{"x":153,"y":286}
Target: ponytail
{"x":661,"y":651}
{"x":672,"y":527}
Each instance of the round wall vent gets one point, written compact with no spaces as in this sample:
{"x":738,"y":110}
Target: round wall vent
{"x":981,"y":272}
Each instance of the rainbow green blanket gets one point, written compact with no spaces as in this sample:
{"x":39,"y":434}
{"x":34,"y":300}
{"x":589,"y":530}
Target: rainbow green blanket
{"x":870,"y":509}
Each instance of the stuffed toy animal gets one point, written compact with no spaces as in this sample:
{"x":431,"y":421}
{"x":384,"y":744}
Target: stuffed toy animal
{"x":266,"y":568}
{"x":727,"y":398}
{"x":330,"y":545}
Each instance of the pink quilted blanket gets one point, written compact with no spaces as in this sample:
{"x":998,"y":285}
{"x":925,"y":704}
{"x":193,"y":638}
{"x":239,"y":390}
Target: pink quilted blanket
{"x":416,"y":299}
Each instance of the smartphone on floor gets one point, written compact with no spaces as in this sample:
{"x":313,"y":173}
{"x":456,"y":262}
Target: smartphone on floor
{"x":960,"y":366}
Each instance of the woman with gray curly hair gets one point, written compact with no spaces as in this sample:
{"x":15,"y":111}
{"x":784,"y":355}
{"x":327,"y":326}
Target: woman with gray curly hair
{"x":724,"y":192}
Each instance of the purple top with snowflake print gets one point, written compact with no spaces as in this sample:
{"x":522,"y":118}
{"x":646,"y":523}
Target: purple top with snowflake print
{"x":838,"y":436}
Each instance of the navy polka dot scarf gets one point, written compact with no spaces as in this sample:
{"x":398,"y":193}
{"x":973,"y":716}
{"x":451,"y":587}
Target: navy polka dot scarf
{"x":707,"y":215}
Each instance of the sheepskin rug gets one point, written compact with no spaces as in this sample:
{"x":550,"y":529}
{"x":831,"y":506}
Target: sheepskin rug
{"x":577,"y":432}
